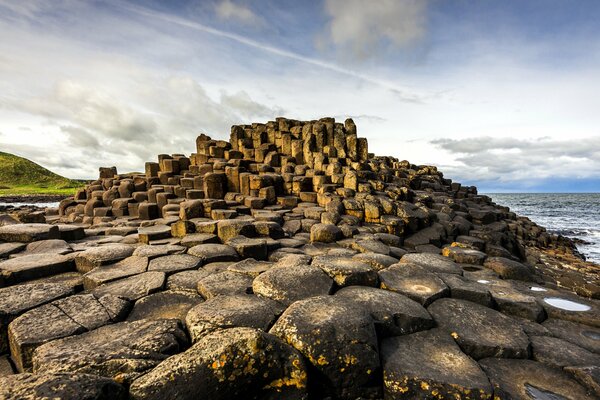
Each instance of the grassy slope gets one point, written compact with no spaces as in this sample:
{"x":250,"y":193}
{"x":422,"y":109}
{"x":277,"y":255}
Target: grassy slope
{"x":21,"y":176}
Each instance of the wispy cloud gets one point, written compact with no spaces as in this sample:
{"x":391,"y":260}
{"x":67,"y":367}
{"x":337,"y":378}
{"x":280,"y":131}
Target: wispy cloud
{"x":230,"y":10}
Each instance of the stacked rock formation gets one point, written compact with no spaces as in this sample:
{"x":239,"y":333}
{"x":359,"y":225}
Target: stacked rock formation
{"x":288,"y":262}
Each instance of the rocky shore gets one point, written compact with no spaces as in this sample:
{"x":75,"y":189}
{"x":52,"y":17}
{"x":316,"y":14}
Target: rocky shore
{"x":290,"y":263}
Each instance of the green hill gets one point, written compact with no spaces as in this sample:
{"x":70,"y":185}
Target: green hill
{"x":21,"y":176}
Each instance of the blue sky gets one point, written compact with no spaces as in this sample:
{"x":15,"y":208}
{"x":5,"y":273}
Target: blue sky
{"x":502,"y":95}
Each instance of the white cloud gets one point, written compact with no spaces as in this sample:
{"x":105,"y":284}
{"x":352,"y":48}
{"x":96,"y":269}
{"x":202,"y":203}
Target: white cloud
{"x":230,"y":10}
{"x":362,"y":27}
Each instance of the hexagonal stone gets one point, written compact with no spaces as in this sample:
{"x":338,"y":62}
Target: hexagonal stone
{"x":60,"y":386}
{"x":376,"y":260}
{"x":393,"y":313}
{"x":15,"y":300}
{"x":585,"y":336}
{"x":61,"y":318}
{"x":174,"y":263}
{"x":414,"y":282}
{"x":228,"y":364}
{"x":102,"y":255}
{"x":344,"y":351}
{"x":164,"y":305}
{"x":158,"y":250}
{"x":151,"y":233}
{"x":34,"y":266}
{"x":211,"y":252}
{"x":464,"y":256}
{"x":225,"y":283}
{"x":133,"y":288}
{"x":509,"y":269}
{"x":462,"y":288}
{"x":560,"y":353}
{"x":512,"y":302}
{"x":250,"y":267}
{"x":25,"y":233}
{"x":371,"y":246}
{"x":230,"y":228}
{"x":287,"y":284}
{"x":186,"y":280}
{"x":430,"y":365}
{"x":432,"y":263}
{"x":225,"y":311}
{"x":480,"y":331}
{"x":120,"y":351}
{"x":52,"y":246}
{"x":346,"y":271}
{"x":196,"y":239}
{"x":249,"y":247}
{"x":326,"y":233}
{"x":526,"y":379}
{"x":6,"y":249}
{"x":130,"y":266}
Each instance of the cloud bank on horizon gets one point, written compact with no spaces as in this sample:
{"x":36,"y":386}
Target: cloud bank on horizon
{"x":502,"y":95}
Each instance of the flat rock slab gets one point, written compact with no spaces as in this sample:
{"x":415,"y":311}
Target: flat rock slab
{"x":102,"y":255}
{"x":560,"y":353}
{"x":228,"y":364}
{"x":585,"y":336}
{"x":414,"y":282}
{"x":250,"y":267}
{"x":347,"y":271}
{"x":432,"y":263}
{"x":52,"y":246}
{"x":60,"y":386}
{"x":249,"y":247}
{"x":15,"y":300}
{"x":120,"y":351}
{"x":225,"y":283}
{"x":223,"y":312}
{"x":25,"y":233}
{"x":130,"y":266}
{"x":371,"y":246}
{"x":430,"y":365}
{"x":526,"y":379}
{"x":211,"y":252}
{"x":34,"y":266}
{"x":393,"y":313}
{"x":186,"y":280}
{"x":376,"y":260}
{"x":61,"y":318}
{"x":289,"y":284}
{"x":196,"y":239}
{"x":148,"y":234}
{"x":174,"y":263}
{"x":509,"y":269}
{"x":512,"y":302}
{"x":345,"y":349}
{"x":158,"y":250}
{"x":464,"y":256}
{"x":6,"y":249}
{"x":135,"y":287}
{"x":464,"y":289}
{"x":480,"y":331}
{"x":164,"y":305}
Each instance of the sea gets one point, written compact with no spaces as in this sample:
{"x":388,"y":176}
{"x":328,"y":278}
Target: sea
{"x":574,"y":215}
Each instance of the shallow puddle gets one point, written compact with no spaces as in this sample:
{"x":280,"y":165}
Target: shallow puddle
{"x":483,"y":281}
{"x":537,"y":289}
{"x":567,"y":305}
{"x":592,"y":335}
{"x":540,"y":394}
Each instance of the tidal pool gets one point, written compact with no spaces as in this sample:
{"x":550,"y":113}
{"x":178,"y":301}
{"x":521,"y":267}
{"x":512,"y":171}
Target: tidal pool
{"x":565,"y":304}
{"x":537,"y":289}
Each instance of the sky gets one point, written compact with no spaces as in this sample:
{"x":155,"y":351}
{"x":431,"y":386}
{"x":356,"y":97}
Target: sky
{"x":504,"y":95}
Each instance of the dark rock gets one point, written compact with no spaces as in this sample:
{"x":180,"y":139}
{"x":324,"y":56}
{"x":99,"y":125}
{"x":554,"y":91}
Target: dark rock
{"x":164,"y":305}
{"x":60,"y":386}
{"x":121,"y":351}
{"x":393,"y":313}
{"x":582,"y":335}
{"x":196,"y":239}
{"x":588,"y":377}
{"x":544,"y":350}
{"x":343,"y":353}
{"x":509,"y":269}
{"x":510,"y":301}
{"x":225,"y":311}
{"x":464,"y":256}
{"x":429,"y":365}
{"x":174,"y":263}
{"x":480,"y":331}
{"x":464,"y":289}
{"x":249,"y":247}
{"x":526,"y":379}
{"x":376,"y":260}
{"x":228,"y":364}
{"x":288,"y":284}
{"x":432,"y":263}
{"x":346,"y":271}
{"x":133,"y":288}
{"x":186,"y":280}
{"x":414,"y":282}
{"x":326,"y":233}
{"x":225,"y":283}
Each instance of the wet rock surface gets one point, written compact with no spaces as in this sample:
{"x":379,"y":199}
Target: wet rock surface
{"x":289,"y":262}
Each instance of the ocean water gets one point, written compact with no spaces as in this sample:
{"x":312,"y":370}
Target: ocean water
{"x":574,"y":215}
{"x":53,"y":204}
